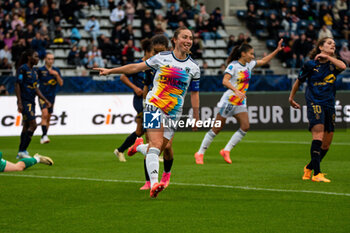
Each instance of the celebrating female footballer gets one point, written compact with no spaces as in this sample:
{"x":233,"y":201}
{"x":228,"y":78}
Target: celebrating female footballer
{"x":233,"y":102}
{"x":320,"y":74}
{"x":175,"y":71}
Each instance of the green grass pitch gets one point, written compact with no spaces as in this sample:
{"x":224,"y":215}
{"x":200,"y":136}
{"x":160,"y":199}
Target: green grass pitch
{"x":89,"y":190}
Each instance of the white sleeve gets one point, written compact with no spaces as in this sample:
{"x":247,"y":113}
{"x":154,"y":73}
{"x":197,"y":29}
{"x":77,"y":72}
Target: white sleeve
{"x":231,"y":69}
{"x":154,"y":62}
{"x":252,"y":64}
{"x":197,"y":74}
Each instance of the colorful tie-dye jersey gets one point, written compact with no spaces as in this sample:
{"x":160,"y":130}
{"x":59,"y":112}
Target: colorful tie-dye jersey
{"x":170,"y":83}
{"x":240,"y":76}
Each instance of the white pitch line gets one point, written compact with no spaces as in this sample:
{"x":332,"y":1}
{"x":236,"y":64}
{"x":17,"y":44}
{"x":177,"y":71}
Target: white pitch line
{"x":293,"y":142}
{"x":181,"y":184}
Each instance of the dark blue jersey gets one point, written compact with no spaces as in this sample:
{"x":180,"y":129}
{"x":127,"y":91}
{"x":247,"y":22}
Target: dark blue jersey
{"x":47,"y":82}
{"x":28,"y":81}
{"x":320,"y":78}
{"x":138,"y":78}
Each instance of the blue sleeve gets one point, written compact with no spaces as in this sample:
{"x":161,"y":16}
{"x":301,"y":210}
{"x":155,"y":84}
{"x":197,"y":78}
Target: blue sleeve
{"x":194,"y":85}
{"x":306,"y":71}
{"x":19,"y":76}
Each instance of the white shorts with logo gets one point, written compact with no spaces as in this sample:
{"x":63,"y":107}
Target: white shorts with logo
{"x":227,"y":109}
{"x":169,"y":129}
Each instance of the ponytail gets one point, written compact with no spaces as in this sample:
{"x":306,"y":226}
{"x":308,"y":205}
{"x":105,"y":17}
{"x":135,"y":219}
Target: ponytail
{"x":236,"y":52}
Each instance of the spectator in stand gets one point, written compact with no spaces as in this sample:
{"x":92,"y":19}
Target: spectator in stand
{"x":218,"y":18}
{"x":203,"y":13}
{"x":116,"y":57}
{"x":252,"y":17}
{"x":95,"y":58}
{"x":5,"y":53}
{"x":83,"y":56}
{"x":231,"y":43}
{"x":117,"y":32}
{"x":118,"y":14}
{"x":325,"y":32}
{"x":311,"y":33}
{"x":328,"y":20}
{"x":32,"y":12}
{"x":148,"y":19}
{"x":182,"y":16}
{"x":286,"y":54}
{"x":345,"y":27}
{"x":6,"y":23}
{"x":106,"y":48}
{"x":128,"y":34}
{"x":284,"y":18}
{"x":172,"y":3}
{"x":222,"y":69}
{"x":19,"y":46}
{"x":243,"y":38}
{"x":172,"y":18}
{"x":73,"y":57}
{"x":93,"y":27}
{"x":56,"y":22}
{"x":205,"y":71}
{"x":44,"y":32}
{"x":294,"y":19}
{"x":75,"y":36}
{"x":17,"y":9}
{"x":68,"y":9}
{"x":196,"y":9}
{"x":29,"y":34}
{"x":147,"y":32}
{"x":345,"y":53}
{"x":103,"y":4}
{"x":9,"y":39}
{"x":39,"y":44}
{"x":159,"y":30}
{"x":340,"y":9}
{"x":16,"y":21}
{"x":306,"y":10}
{"x":53,"y":11}
{"x":197,"y":48}
{"x":4,"y":64}
{"x":273,"y":25}
{"x":160,"y":20}
{"x":130,"y":11}
{"x":3,"y":90}
{"x":128,"y":53}
{"x":300,"y":49}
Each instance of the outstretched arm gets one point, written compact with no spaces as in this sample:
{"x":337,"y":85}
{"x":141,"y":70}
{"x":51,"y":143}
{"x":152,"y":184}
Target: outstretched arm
{"x":295,"y":88}
{"x":127,"y":69}
{"x":338,"y":63}
{"x":268,"y":58}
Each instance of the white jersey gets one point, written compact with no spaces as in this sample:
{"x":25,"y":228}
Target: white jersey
{"x":171,"y":80}
{"x":240,"y":76}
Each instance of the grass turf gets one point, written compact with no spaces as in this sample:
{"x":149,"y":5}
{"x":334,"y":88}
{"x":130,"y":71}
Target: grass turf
{"x":47,"y":200}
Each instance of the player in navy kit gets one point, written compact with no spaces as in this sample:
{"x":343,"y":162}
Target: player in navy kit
{"x":26,"y":88}
{"x":49,"y":76}
{"x":320,"y":73}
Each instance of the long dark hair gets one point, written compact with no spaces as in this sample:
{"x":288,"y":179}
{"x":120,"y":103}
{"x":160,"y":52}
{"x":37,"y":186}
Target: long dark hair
{"x":176,"y":34}
{"x":146,"y":45}
{"x":236,"y":52}
{"x":24,"y":57}
{"x":313,"y":53}
{"x":160,"y":39}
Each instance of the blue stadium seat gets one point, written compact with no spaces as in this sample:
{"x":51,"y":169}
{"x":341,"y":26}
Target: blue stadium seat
{"x":271,"y":44}
{"x":241,"y":14}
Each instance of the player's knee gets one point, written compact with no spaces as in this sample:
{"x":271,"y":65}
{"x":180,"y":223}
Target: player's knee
{"x":245,"y":128}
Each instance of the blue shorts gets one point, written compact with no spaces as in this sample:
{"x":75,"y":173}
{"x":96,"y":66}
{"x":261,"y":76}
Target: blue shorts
{"x":28,"y":112}
{"x":319,"y":114}
{"x":43,"y":104}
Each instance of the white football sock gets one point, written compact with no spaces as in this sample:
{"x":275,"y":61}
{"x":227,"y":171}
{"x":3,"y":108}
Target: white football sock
{"x":142,"y":149}
{"x":208,"y":138}
{"x":236,"y":138}
{"x":152,"y":164}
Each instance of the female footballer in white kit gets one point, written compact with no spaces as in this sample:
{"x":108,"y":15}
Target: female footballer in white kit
{"x":233,"y":102}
